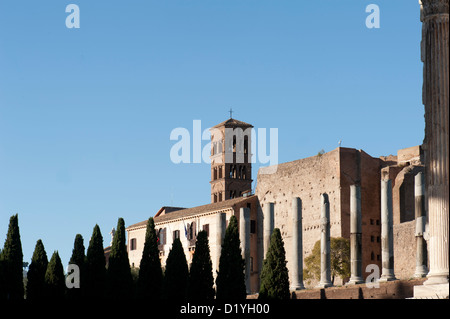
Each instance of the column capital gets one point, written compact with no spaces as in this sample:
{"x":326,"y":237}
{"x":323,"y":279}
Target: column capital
{"x":432,"y":7}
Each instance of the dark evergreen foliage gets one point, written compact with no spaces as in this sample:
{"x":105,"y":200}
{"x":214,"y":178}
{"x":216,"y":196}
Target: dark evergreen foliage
{"x":55,"y":282}
{"x":95,"y":274}
{"x":119,"y":280}
{"x":230,"y":281}
{"x":78,"y":258}
{"x":12,"y":262}
{"x":274,"y":274}
{"x":201,"y":281}
{"x":150,"y":272}
{"x":176,"y":274}
{"x":36,"y":273}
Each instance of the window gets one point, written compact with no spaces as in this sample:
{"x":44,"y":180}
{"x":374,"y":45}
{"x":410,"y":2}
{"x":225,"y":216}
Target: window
{"x":371,"y":221}
{"x":206,"y":229}
{"x":190,"y":229}
{"x":378,"y":222}
{"x":162,"y":236}
{"x":176,"y":234}
{"x":378,"y":239}
{"x":372,"y":239}
{"x":372,"y":256}
{"x":133,"y":244}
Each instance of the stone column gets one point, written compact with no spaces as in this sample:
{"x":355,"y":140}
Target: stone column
{"x":355,"y":235}
{"x":268,"y":224}
{"x":244,"y":237}
{"x":421,"y":219}
{"x":325,"y":258}
{"x":387,"y":232}
{"x":297,"y":245}
{"x":220,"y":234}
{"x":435,"y":93}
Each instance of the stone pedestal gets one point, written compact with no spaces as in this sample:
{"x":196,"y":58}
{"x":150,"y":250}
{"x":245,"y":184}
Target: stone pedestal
{"x":297,"y":246}
{"x":325,"y":258}
{"x":355,"y":236}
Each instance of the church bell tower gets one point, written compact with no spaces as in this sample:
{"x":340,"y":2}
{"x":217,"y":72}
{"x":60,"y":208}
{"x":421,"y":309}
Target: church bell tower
{"x":231,"y":168}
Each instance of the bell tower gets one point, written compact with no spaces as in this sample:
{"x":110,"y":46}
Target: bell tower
{"x":231,"y":168}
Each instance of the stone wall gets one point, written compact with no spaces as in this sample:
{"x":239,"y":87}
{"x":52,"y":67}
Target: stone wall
{"x":398,"y":289}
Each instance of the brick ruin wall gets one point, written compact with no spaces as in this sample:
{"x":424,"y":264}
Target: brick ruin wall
{"x":330,"y":173}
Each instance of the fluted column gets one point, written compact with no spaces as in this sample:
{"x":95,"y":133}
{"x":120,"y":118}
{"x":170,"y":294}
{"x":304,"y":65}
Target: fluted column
{"x":435,"y":36}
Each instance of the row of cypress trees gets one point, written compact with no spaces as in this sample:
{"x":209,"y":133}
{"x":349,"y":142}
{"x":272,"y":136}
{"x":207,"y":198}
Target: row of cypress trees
{"x":46,"y":279}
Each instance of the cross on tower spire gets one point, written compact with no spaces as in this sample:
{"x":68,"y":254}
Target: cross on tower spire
{"x":231,"y":113}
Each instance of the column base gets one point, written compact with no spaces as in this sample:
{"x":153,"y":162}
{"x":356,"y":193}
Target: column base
{"x":324,"y":285}
{"x":386,"y":278}
{"x":297,"y":287}
{"x":421,"y":272}
{"x":436,"y":279}
{"x":355,"y":281}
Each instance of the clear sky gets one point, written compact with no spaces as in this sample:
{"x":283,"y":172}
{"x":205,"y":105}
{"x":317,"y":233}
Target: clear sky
{"x":86,"y":114}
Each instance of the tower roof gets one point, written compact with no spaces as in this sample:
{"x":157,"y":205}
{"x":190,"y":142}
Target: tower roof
{"x":233,"y":123}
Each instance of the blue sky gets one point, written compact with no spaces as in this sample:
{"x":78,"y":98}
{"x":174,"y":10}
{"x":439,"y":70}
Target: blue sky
{"x":86,"y":114}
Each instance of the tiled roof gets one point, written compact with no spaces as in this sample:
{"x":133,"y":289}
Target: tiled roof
{"x":189,"y":212}
{"x":233,"y":122}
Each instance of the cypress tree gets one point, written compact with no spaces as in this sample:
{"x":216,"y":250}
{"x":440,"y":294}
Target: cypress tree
{"x":2,"y":278}
{"x":95,"y":274}
{"x":150,"y":272}
{"x":12,"y":262}
{"x":230,"y":281}
{"x":36,"y":273}
{"x":78,"y":258}
{"x":201,"y":281}
{"x":176,"y":274}
{"x":55,"y":282}
{"x":274,"y":273}
{"x":119,"y":280}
